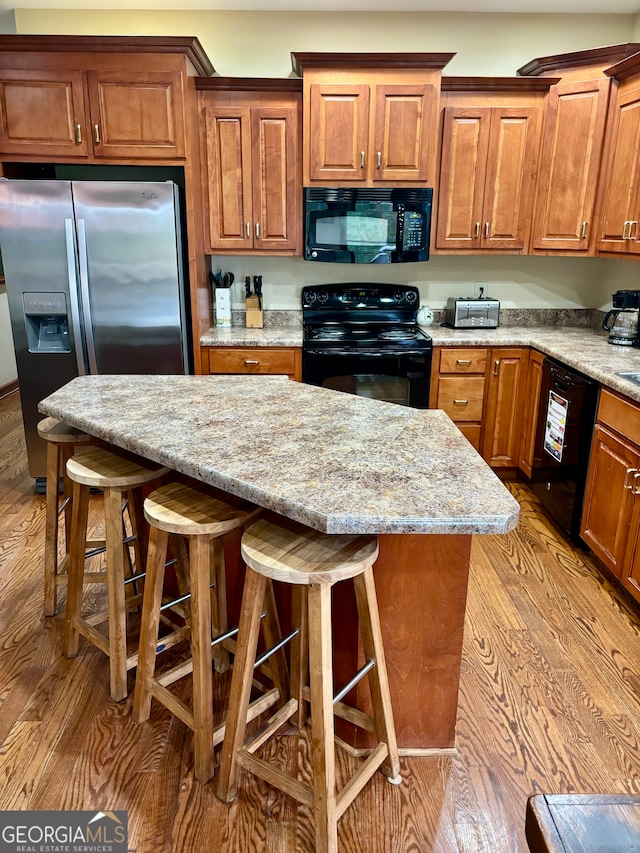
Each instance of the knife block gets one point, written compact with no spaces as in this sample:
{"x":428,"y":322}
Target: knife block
{"x":255,"y":317}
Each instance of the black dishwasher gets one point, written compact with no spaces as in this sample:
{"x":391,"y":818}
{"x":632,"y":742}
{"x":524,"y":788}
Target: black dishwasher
{"x":566,"y":415}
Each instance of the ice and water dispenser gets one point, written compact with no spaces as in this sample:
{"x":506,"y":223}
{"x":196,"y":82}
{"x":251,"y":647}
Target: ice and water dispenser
{"x":47,"y":322}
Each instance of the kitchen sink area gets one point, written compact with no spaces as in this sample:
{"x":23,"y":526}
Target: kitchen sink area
{"x":630,"y":375}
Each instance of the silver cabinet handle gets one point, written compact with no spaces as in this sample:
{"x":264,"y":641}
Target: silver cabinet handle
{"x":486,"y":229}
{"x":96,"y":133}
{"x":477,"y":234}
{"x":78,"y":133}
{"x":636,"y":484}
{"x":496,"y":366}
{"x":583,"y":233}
{"x":73,"y":294}
{"x":248,"y":229}
{"x":258,"y":230}
{"x":460,"y":402}
{"x":252,"y":361}
{"x":632,"y":222}
{"x":362,"y":159}
{"x":628,"y":472}
{"x":626,"y":236}
{"x":463,"y":361}
{"x":84,"y":294}
{"x":379,"y":159}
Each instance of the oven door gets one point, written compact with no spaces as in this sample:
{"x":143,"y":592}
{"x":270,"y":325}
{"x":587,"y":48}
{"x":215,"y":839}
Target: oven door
{"x":395,"y":377}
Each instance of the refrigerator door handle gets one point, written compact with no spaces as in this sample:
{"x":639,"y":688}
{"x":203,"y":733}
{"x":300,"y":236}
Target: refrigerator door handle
{"x":84,"y":294}
{"x":73,"y":295}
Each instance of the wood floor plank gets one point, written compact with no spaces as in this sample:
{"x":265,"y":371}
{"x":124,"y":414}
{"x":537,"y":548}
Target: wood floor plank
{"x":549,"y":702}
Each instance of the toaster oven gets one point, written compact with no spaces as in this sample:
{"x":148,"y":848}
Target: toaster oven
{"x":465,"y":312}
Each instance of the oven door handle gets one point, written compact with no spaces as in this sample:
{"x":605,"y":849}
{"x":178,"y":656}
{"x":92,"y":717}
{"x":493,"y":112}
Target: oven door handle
{"x":356,"y":353}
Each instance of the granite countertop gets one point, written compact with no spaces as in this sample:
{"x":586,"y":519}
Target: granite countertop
{"x":583,"y":348}
{"x":336,"y":462}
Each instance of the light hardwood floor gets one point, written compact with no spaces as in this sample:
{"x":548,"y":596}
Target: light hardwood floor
{"x":549,"y":702}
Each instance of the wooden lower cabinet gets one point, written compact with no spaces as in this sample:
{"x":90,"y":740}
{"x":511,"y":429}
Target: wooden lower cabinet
{"x":458,"y":386}
{"x":530,"y":411}
{"x":506,"y":384}
{"x":611,"y":517}
{"x":250,"y":360}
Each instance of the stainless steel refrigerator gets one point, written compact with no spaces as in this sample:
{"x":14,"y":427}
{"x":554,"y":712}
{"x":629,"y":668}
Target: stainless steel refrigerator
{"x":94,"y":282}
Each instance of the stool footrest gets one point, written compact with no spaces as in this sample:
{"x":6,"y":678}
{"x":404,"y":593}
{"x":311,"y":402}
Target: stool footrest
{"x":300,"y":792}
{"x":272,"y":725}
{"x":357,"y":782}
{"x":276,"y":648}
{"x":356,"y":678}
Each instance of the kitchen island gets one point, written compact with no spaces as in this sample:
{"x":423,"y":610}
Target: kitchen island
{"x":341,"y":464}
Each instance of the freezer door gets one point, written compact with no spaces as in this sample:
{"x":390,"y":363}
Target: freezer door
{"x":37,"y":240}
{"x":132,"y":291}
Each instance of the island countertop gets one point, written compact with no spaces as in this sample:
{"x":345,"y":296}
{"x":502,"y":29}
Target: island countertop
{"x":336,"y":462}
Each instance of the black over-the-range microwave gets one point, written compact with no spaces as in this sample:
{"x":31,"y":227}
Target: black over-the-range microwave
{"x":367,"y":226}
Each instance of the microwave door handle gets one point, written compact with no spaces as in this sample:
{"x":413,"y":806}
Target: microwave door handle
{"x":84,"y":294}
{"x":73,"y":296}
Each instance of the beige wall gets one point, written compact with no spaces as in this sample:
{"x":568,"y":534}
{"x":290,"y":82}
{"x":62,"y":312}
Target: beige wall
{"x":247,"y":44}
{"x":258,"y":44}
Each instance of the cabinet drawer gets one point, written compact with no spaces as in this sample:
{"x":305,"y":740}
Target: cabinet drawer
{"x":467,"y":360}
{"x":472,"y":433}
{"x":253,"y":360}
{"x":621,"y":415}
{"x":461,"y":397}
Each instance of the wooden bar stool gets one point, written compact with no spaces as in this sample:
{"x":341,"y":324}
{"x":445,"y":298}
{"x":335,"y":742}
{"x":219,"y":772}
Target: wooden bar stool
{"x":62,"y":441}
{"x":292,"y":553}
{"x":203,"y":520}
{"x":117,"y":477}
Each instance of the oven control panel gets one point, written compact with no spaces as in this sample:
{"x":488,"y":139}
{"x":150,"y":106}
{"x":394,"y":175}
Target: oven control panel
{"x":360,"y":296}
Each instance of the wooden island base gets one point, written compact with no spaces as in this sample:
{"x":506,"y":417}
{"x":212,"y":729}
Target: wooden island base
{"x":421,"y":583}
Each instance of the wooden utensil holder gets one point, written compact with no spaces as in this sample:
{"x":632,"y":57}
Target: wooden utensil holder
{"x":255,"y":316}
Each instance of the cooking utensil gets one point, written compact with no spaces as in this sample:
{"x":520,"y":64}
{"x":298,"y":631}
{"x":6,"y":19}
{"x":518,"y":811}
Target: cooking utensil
{"x":257,"y":288}
{"x":247,"y":286}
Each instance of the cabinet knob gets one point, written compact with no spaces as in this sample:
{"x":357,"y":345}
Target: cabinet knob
{"x":96,"y":133}
{"x":78,"y":133}
{"x":248,"y":228}
{"x":252,"y":361}
{"x":627,"y":475}
{"x":477,"y":234}
{"x":583,"y":233}
{"x":258,"y":230}
{"x":460,"y":402}
{"x":362,"y":159}
{"x":496,"y":366}
{"x":463,"y":361}
{"x":379,"y":159}
{"x":486,"y":229}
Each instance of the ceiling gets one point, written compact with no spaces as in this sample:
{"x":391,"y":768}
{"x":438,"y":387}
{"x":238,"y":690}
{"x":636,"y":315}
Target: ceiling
{"x":624,"y":7}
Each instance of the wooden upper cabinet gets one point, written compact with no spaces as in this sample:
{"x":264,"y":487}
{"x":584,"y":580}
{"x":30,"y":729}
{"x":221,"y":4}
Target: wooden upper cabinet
{"x":370,"y":119}
{"x":94,"y":97}
{"x":339,"y":132}
{"x":620,"y":205}
{"x":569,"y":166}
{"x":137,"y":114}
{"x":250,"y":166}
{"x":486,"y":177}
{"x":42,"y":112}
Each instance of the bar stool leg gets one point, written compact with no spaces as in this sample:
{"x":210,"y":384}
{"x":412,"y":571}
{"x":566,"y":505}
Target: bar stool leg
{"x":114,"y":534}
{"x":67,"y":492}
{"x":138,"y":529}
{"x":272,"y":636}
{"x":251,"y":608}
{"x":322,"y":726}
{"x":51,"y":531}
{"x":299,"y":651}
{"x":218,"y":595}
{"x":77,"y":547}
{"x":199,"y":552}
{"x":378,"y":679}
{"x":150,"y":623}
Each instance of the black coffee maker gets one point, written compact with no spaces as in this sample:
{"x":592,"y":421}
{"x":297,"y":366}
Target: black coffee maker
{"x":622,"y":321}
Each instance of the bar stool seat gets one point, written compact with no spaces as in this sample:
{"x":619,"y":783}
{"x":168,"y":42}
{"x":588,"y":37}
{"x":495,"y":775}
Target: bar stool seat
{"x":313,"y":562}
{"x":120,"y":479}
{"x":202,"y":519}
{"x":62,"y":441}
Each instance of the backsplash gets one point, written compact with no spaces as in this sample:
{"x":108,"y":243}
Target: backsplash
{"x":584,"y":317}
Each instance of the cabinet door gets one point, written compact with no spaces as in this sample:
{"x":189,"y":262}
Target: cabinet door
{"x":338,"y":132}
{"x":274,"y":135}
{"x":621,"y":185}
{"x":531,"y":406}
{"x":505,"y":393}
{"x":42,"y":113}
{"x":607,"y":503}
{"x":569,"y":165}
{"x":405,"y":119}
{"x":631,"y":566}
{"x":511,"y":162}
{"x":465,"y":143}
{"x":137,"y":114}
{"x":228,"y":172}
